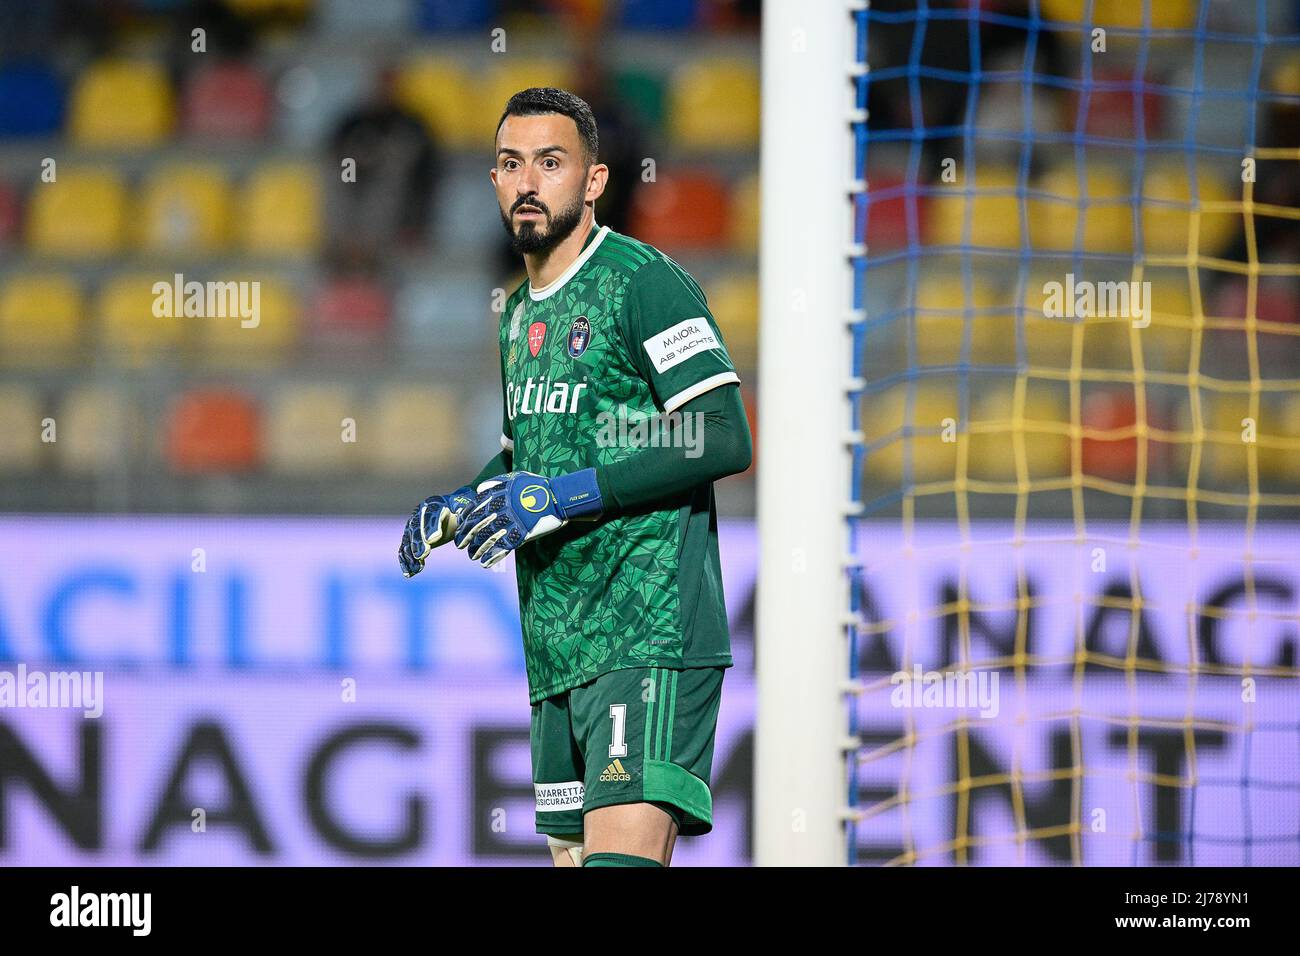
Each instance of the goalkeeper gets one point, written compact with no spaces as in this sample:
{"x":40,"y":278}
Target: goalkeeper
{"x":621,"y":407}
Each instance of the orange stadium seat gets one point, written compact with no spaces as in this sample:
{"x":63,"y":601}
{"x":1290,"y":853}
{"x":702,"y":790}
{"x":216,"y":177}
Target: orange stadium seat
{"x":40,"y":319}
{"x":305,"y":429}
{"x":82,"y":213}
{"x":130,"y":332}
{"x":280,"y":210}
{"x":745,"y":204}
{"x":401,"y":411}
{"x":21,"y":413}
{"x":352,"y":309}
{"x":886,"y":219}
{"x":184,"y":209}
{"x":121,"y":103}
{"x":689,"y":210}
{"x":10,"y":213}
{"x":97,"y":430}
{"x":213,"y":430}
{"x":713,"y":104}
{"x":1112,"y":455}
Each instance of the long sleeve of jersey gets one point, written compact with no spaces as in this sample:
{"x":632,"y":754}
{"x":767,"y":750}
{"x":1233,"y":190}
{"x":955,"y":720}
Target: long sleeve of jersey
{"x":720,"y":433}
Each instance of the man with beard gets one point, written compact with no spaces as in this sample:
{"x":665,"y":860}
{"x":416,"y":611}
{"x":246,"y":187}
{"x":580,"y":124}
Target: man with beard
{"x":621,"y":408}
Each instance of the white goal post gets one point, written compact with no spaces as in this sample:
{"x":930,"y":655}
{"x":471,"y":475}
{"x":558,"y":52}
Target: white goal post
{"x":805,"y":363}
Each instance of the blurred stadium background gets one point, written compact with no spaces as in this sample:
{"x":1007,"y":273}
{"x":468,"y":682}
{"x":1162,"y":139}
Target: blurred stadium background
{"x":180,"y":511}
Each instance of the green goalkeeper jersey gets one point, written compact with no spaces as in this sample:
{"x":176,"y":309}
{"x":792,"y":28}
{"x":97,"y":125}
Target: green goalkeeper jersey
{"x":587,"y":364}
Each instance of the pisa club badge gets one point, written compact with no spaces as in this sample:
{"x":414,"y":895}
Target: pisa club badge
{"x":579,"y":336}
{"x":536,"y":333}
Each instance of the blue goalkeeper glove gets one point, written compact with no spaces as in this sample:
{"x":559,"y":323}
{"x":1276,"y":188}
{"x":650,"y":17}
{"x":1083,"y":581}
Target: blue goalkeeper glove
{"x":520,"y":506}
{"x":431,"y":524}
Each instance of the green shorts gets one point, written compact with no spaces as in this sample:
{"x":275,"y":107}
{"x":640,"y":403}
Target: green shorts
{"x":639,"y":735}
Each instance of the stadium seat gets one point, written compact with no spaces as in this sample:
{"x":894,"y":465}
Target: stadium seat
{"x":442,"y":94}
{"x":21,"y":413}
{"x":353,"y":17}
{"x":280,"y":210}
{"x":97,"y":431}
{"x":507,"y":79}
{"x":1104,"y":201}
{"x":689,"y":210}
{"x":944,"y":309}
{"x":745,"y":210}
{"x":886,"y":218}
{"x":1167,"y":207}
{"x":993,"y":207}
{"x":733,"y":300}
{"x":445,"y":16}
{"x":184,"y":210}
{"x":10,"y":214}
{"x":213,"y":430}
{"x":130,"y":332}
{"x":1049,"y":340}
{"x":227,"y":101}
{"x":305,"y":430}
{"x":713,"y":104}
{"x":1283,"y":464}
{"x":351,"y":310}
{"x":268,"y":337}
{"x":657,"y":14}
{"x":81,"y":214}
{"x":401,"y":411}
{"x":1224,"y":464}
{"x":121,"y":103}
{"x":284,"y":9}
{"x":444,"y":318}
{"x":31,"y":99}
{"x":1167,"y":342}
{"x":644,"y":94}
{"x":884,"y":416}
{"x":1112,"y":454}
{"x":40,"y":319}
{"x":996,"y":422}
{"x":1165,"y":15}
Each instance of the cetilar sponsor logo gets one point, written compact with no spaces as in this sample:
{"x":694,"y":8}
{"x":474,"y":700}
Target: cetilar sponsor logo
{"x":103,"y":909}
{"x":542,"y":395}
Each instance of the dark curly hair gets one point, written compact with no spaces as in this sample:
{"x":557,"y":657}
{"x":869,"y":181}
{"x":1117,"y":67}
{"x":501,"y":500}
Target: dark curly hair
{"x":538,"y":100}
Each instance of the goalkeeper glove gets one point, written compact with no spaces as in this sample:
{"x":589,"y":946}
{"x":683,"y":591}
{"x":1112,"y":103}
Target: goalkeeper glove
{"x":520,"y":506}
{"x":431,"y":524}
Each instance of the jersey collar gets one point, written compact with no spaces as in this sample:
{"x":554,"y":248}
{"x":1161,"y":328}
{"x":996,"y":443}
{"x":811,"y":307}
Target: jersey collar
{"x":593,"y":240}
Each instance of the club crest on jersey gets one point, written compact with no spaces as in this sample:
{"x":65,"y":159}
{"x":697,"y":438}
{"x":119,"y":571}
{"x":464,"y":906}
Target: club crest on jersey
{"x":579,"y":336}
{"x":536,"y":333}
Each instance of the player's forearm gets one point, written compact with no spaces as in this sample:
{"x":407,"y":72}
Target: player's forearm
{"x":718,"y":431}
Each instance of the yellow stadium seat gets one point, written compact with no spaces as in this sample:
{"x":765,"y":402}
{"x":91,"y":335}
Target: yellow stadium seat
{"x":21,"y":425}
{"x":943,"y":311}
{"x":1049,"y":339}
{"x":745,"y":202}
{"x":505,"y":81}
{"x":305,"y":430}
{"x":81,"y":213}
{"x":1167,"y":342}
{"x":1225,"y":451}
{"x":1107,"y":217}
{"x":714,"y":104}
{"x":122,"y":103}
{"x":401,"y":411}
{"x":135,"y":324}
{"x":1165,"y":14}
{"x":259,"y":339}
{"x":1283,"y":464}
{"x":733,"y":300}
{"x":935,"y":418}
{"x":1167,"y":220}
{"x":996,"y":424}
{"x":40,"y":319}
{"x":97,"y":432}
{"x":185,"y":209}
{"x":280,"y":210}
{"x":993,"y":209}
{"x":443,"y":95}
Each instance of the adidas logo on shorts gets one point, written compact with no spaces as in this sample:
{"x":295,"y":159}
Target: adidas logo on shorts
{"x":614,"y":772}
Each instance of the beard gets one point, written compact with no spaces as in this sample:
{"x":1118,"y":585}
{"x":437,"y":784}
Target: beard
{"x":531,"y":239}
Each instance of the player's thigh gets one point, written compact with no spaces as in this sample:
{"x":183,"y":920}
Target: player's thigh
{"x":557,"y":768}
{"x":639,"y":829}
{"x":647,"y":737}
